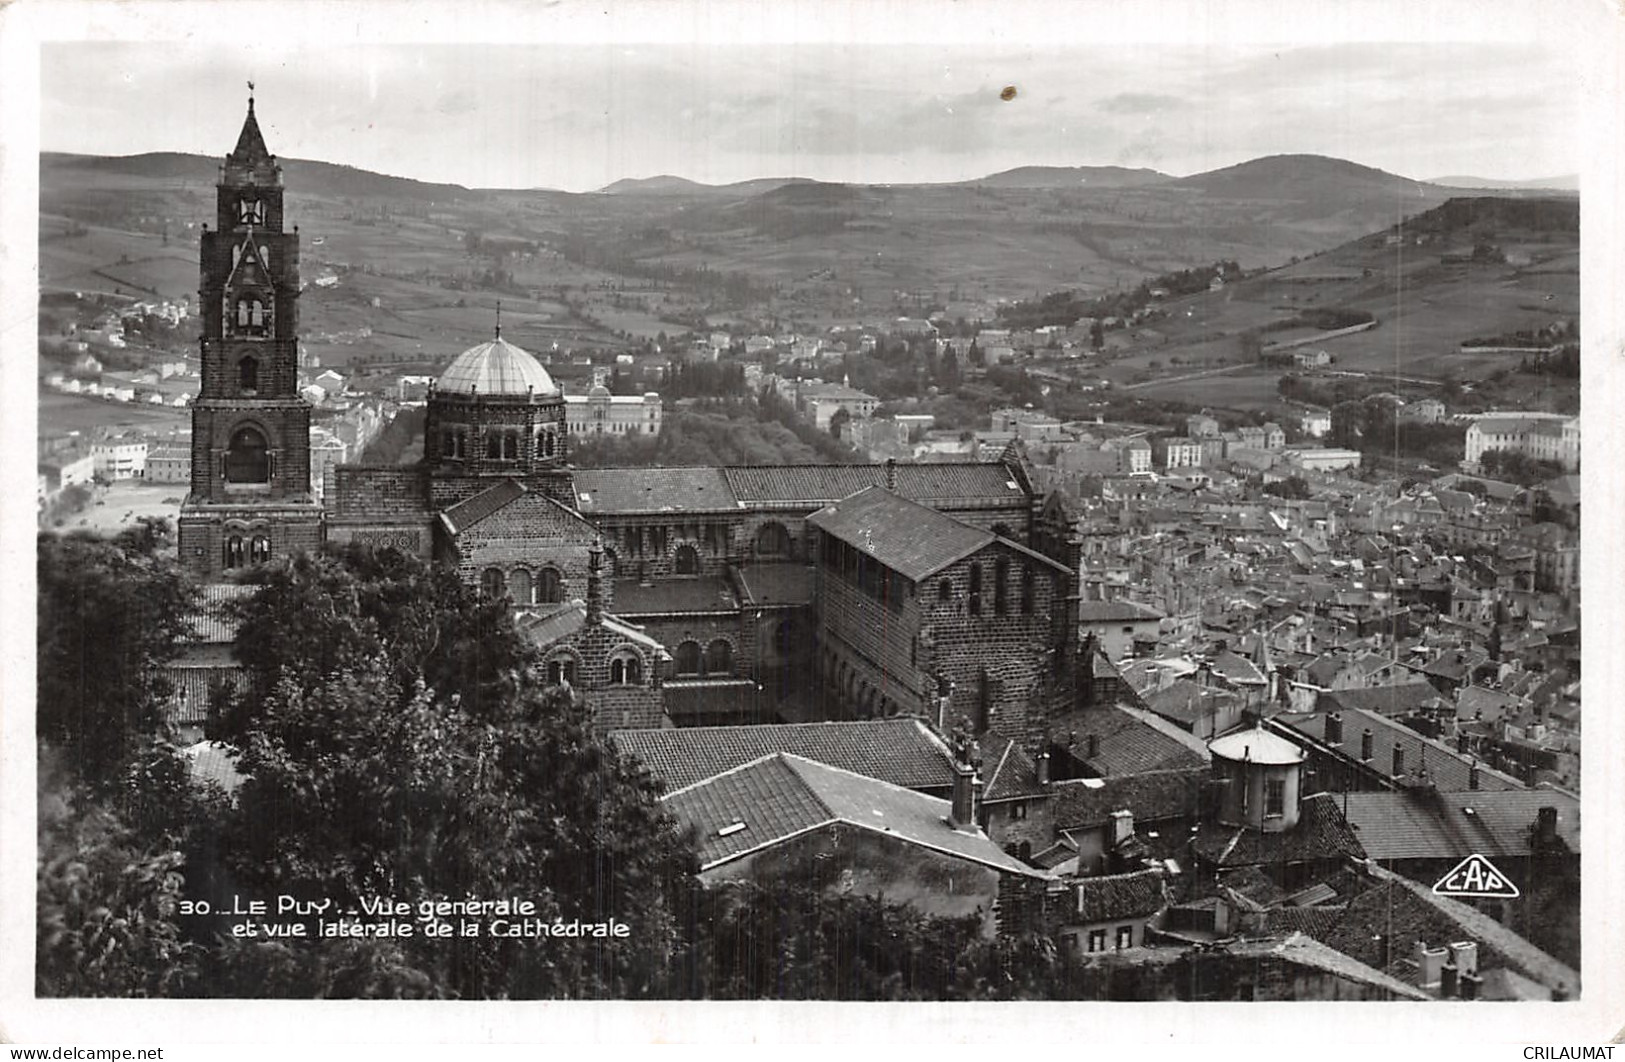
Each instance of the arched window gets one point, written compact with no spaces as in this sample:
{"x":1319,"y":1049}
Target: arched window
{"x":549,"y":587}
{"x":687,"y":560}
{"x":233,"y":552}
{"x":773,"y":540}
{"x":975,"y":589}
{"x":689,"y":661}
{"x":547,"y":443}
{"x":626,"y":668}
{"x":493,"y":582}
{"x":242,"y":313}
{"x":561,"y":670}
{"x":945,"y":591}
{"x":248,"y":460}
{"x":493,"y":445}
{"x":520,"y":587}
{"x":256,"y":316}
{"x":510,"y":446}
{"x":1001,"y":586}
{"x":248,"y":374}
{"x":259,"y":551}
{"x":1026,"y":589}
{"x":719,"y":658}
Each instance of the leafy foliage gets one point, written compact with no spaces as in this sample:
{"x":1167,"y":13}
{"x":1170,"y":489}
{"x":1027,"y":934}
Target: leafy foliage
{"x":106,"y":900}
{"x":108,"y":620}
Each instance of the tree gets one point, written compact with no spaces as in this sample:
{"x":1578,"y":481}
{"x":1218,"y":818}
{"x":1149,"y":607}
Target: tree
{"x":838,"y":422}
{"x":320,"y":614}
{"x":109,"y":619}
{"x":106,"y":900}
{"x":367,"y":779}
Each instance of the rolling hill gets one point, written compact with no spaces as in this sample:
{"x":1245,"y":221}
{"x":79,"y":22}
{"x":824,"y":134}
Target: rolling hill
{"x":1071,"y":177}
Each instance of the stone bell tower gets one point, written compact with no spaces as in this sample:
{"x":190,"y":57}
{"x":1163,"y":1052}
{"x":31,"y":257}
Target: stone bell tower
{"x":250,"y":498}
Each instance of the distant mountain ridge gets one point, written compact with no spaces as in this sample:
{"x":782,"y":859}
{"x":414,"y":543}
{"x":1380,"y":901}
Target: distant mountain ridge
{"x":1290,"y":176}
{"x":668,"y":184}
{"x":1569,"y":182}
{"x":321,"y":178}
{"x":1071,"y":177}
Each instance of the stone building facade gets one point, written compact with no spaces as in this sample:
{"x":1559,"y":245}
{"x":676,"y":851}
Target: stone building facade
{"x":250,"y":497}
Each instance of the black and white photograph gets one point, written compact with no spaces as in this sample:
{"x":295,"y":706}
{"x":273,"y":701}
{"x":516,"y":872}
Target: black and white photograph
{"x":705,"y":505}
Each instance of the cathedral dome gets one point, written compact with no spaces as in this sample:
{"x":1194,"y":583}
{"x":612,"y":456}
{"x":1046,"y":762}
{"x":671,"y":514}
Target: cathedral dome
{"x":495,"y":368}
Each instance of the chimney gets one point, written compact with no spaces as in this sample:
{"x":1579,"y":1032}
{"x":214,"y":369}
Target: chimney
{"x":1428,"y":963}
{"x":1334,"y":728}
{"x":1461,"y":741}
{"x":1472,"y":775}
{"x":1043,"y":768}
{"x":1367,"y":750}
{"x":595,"y":583}
{"x":1447,"y":981}
{"x":1093,"y":747}
{"x":1122,"y":826}
{"x":966,"y":796}
{"x":1546,"y":826}
{"x":1399,"y":759}
{"x":1471,"y":985}
{"x":891,"y":474}
{"x":1464,"y":956}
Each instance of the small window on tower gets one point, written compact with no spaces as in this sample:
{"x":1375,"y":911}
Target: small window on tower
{"x":248,"y":375}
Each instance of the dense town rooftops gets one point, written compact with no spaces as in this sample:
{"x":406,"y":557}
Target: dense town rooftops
{"x":1109,"y":897}
{"x":1319,"y":834}
{"x":780,"y":796}
{"x":1438,"y":825}
{"x":1426,"y":761}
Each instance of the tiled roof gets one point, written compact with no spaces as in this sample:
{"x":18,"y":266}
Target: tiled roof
{"x":908,"y":538}
{"x":929,"y":482}
{"x":901,"y":751}
{"x":1007,"y":771}
{"x":784,"y":583}
{"x":1129,"y":742}
{"x":780,"y":796}
{"x":1115,"y":612}
{"x":470,"y":511}
{"x":1447,"y":769}
{"x":731,"y":700}
{"x":1188,"y":701}
{"x":543,"y":629}
{"x":1152,"y":796}
{"x":1115,"y":896}
{"x":653,"y":490}
{"x":210,"y":761}
{"x":1307,"y":951}
{"x":1320,"y":833}
{"x":705,"y":594}
{"x":949,"y":482}
{"x":1409,"y":912}
{"x":213,"y":621}
{"x":1398,"y":699}
{"x":1433,"y":825}
{"x":193,"y":686}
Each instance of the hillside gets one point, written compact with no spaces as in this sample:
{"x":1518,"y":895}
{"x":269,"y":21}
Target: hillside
{"x":1566,"y":183}
{"x":1422,"y":283}
{"x":1303,"y":178}
{"x":1071,"y":177}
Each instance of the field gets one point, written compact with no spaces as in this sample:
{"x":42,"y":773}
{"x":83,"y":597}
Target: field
{"x":60,"y":414}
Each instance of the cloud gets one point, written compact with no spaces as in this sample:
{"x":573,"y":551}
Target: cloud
{"x":1140,"y":103}
{"x":456,"y":103}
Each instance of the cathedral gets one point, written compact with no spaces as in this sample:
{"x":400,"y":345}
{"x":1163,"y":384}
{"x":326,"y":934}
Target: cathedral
{"x":666,"y":596}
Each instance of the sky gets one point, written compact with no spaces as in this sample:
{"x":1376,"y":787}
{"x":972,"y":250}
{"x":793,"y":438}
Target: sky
{"x":871,"y":99}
